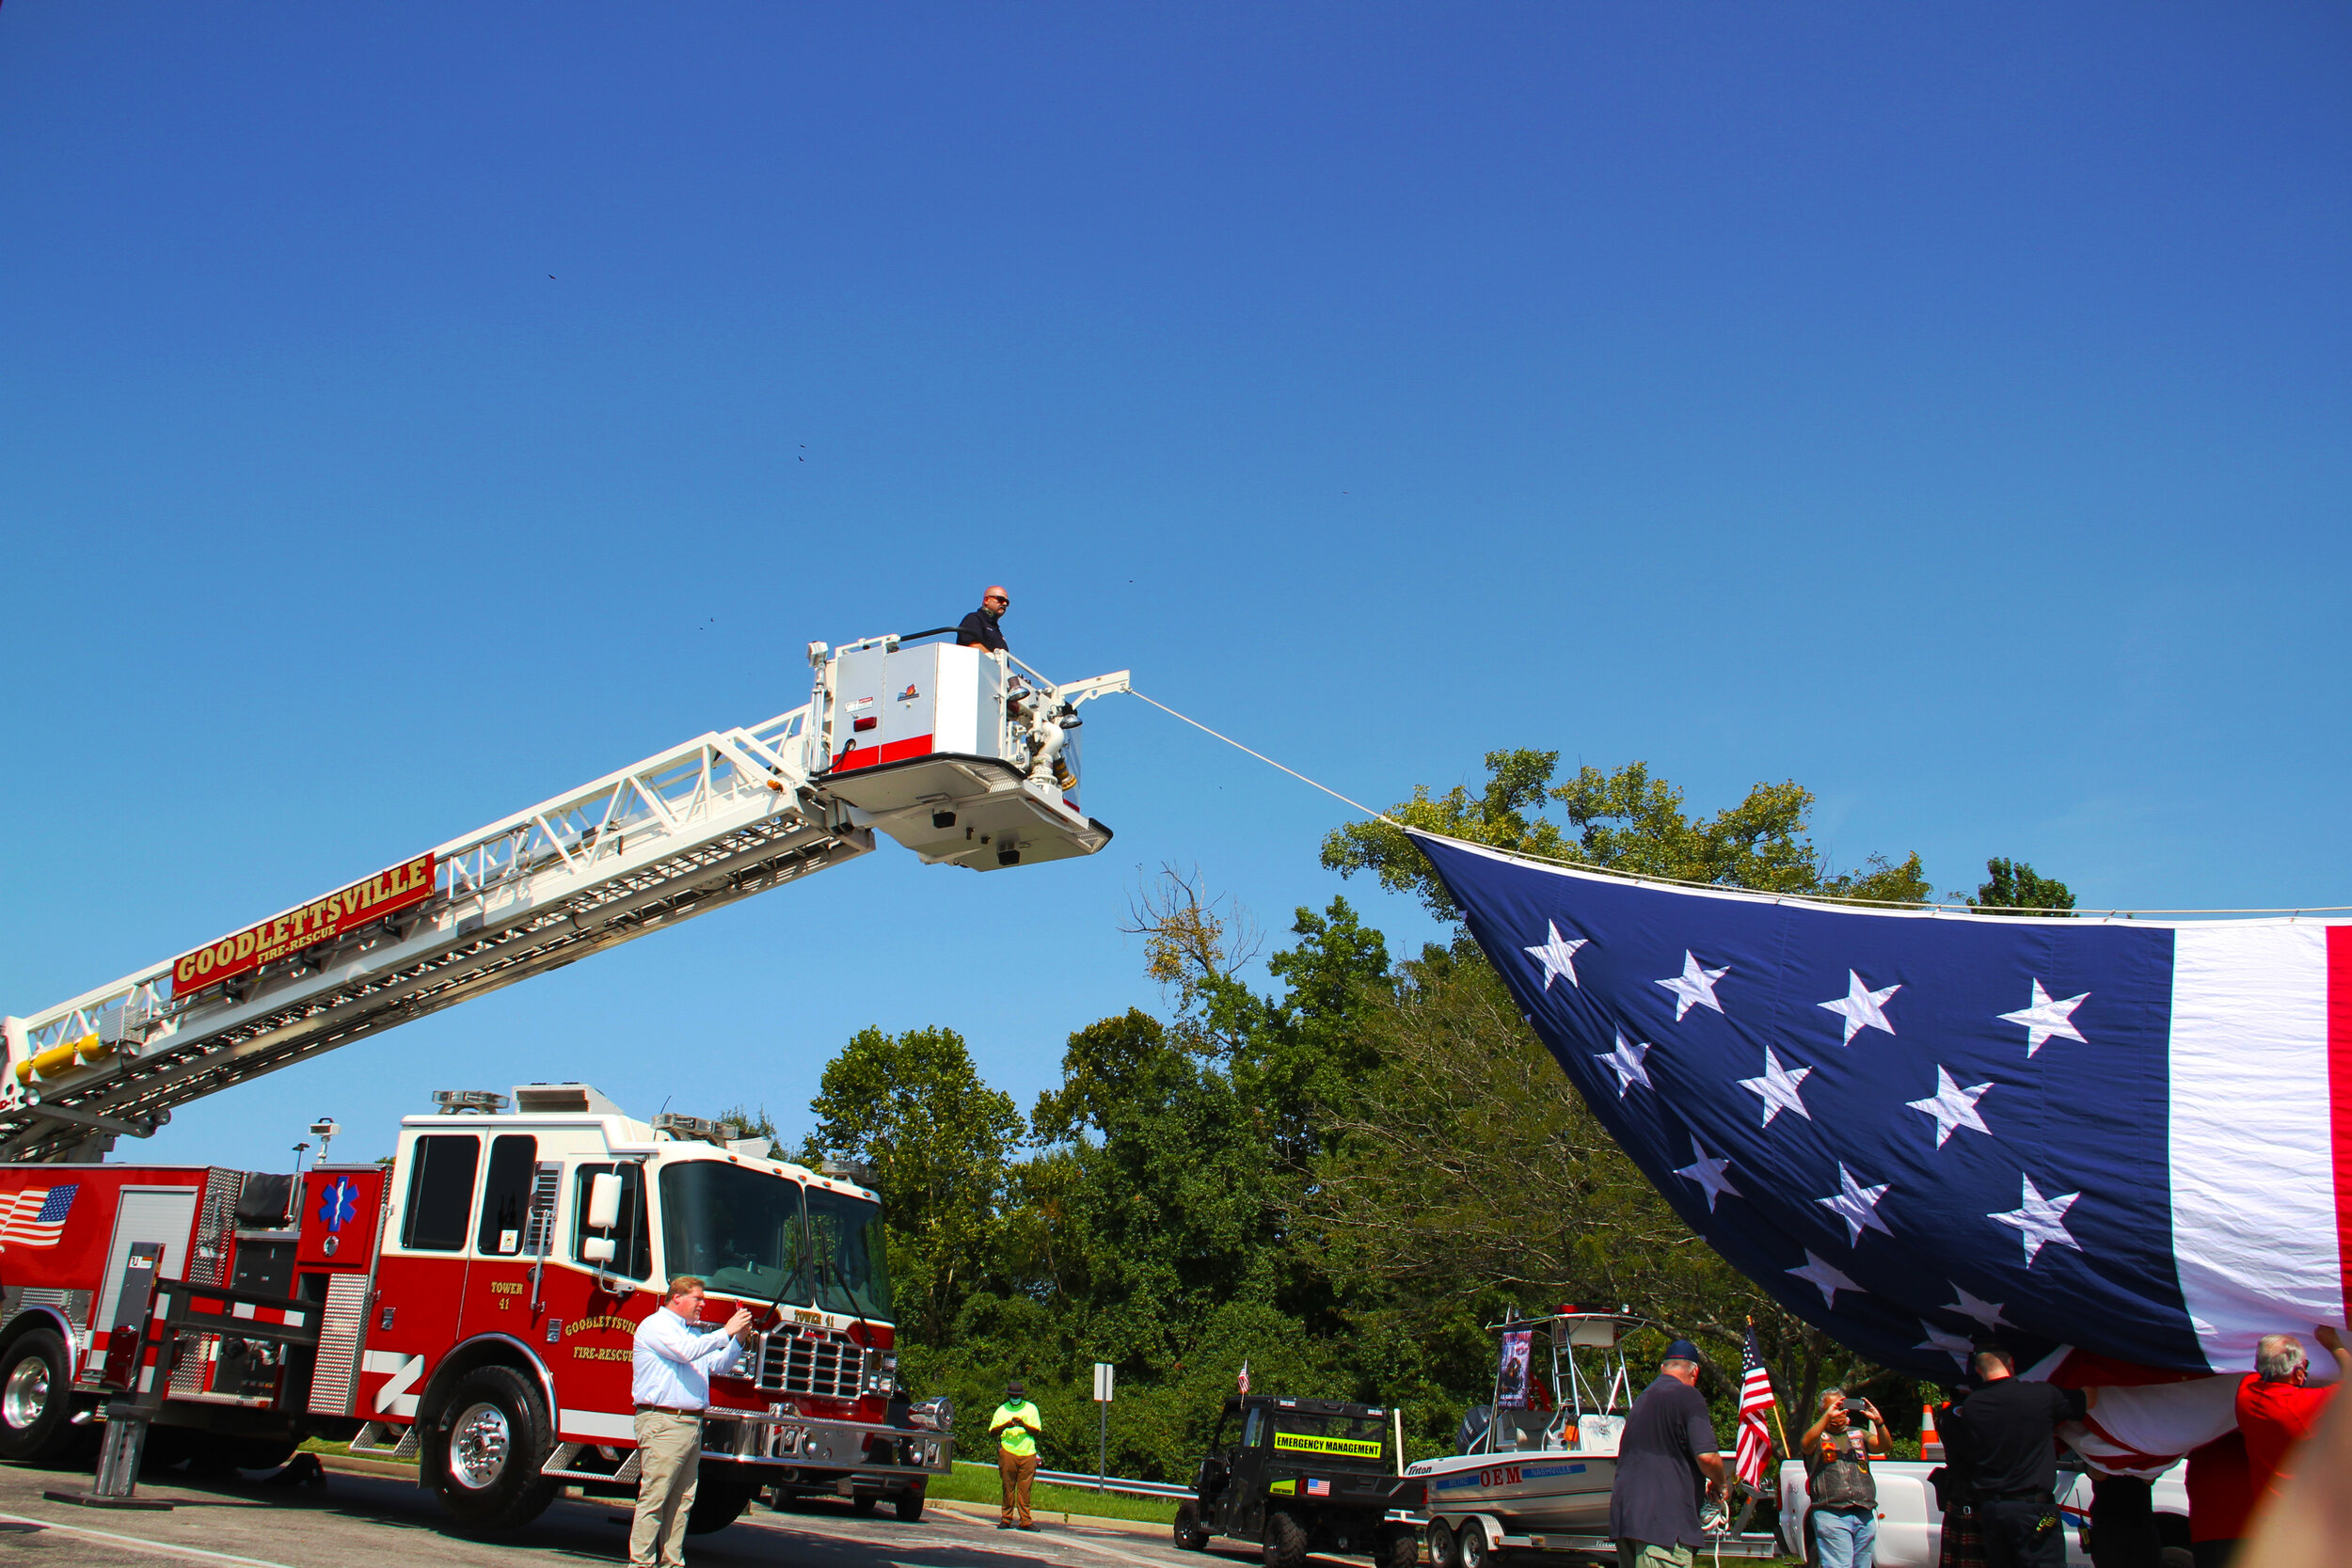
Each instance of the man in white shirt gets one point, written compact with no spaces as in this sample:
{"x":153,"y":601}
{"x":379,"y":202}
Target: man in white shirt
{"x":670,"y":1380}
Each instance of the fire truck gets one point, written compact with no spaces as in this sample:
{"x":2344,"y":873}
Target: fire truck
{"x":471,"y":1303}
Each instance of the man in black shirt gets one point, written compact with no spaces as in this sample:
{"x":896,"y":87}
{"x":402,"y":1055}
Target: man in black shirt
{"x":1665,"y":1456}
{"x":2011,"y":1426}
{"x":980,"y":629}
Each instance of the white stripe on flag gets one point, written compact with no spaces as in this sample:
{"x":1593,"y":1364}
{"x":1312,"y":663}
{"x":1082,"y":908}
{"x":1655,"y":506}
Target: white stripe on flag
{"x":2254,"y":1166}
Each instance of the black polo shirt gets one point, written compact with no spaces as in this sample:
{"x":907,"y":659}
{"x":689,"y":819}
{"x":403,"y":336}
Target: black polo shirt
{"x":2009,"y":1426}
{"x":1656,"y":1498}
{"x":981,"y":627}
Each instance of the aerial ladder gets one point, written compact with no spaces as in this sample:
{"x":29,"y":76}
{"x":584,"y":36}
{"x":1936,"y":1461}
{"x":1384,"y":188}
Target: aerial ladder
{"x":964,"y":756}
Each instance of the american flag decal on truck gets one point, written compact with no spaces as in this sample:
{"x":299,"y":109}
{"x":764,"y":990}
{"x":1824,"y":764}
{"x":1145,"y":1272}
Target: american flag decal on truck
{"x":36,"y":1216}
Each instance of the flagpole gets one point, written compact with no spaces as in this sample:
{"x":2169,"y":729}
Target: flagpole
{"x":1786,"y":1451}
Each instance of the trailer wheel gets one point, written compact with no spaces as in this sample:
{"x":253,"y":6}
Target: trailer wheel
{"x":908,"y":1505}
{"x":1470,"y":1545}
{"x":1285,"y":1541}
{"x":484,"y":1451}
{"x":1442,"y":1545}
{"x":35,"y":1405}
{"x":862,"y":1503}
{"x":1189,"y":1531}
{"x":718,"y":1503}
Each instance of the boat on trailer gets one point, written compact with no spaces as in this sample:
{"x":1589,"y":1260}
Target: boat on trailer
{"x":1535,"y":1479}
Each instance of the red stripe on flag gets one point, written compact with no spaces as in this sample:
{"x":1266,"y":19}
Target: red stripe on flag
{"x":2340,"y":1089}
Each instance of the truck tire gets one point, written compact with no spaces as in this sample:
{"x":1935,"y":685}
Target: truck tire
{"x":1399,"y":1548}
{"x":719,"y":1501}
{"x":1285,"y":1541}
{"x":908,"y":1505}
{"x":36,"y":1405}
{"x":484,"y":1448}
{"x":1189,"y":1532}
{"x":862,"y":1503}
{"x":1442,"y":1545}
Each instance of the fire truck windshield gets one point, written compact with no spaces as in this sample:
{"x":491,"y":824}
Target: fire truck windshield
{"x":742,"y":1230}
{"x":846,"y":1248}
{"x":745,"y":1233}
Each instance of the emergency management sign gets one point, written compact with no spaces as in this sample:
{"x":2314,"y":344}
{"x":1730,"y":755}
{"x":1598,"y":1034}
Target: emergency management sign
{"x":323,"y":920}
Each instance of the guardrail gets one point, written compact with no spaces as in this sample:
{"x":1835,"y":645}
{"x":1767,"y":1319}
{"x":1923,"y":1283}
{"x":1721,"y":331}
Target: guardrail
{"x":1098,"y":1483}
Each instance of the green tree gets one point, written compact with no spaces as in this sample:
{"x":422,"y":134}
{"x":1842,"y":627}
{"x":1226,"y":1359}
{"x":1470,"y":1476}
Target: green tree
{"x":939,"y":1139}
{"x":2012,"y":887}
{"x":1625,"y":820}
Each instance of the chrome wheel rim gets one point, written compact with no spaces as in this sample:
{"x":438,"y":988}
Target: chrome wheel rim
{"x":26,"y":1394}
{"x":478,"y":1446}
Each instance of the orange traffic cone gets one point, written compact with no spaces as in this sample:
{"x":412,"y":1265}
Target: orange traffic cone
{"x":1930,"y":1442}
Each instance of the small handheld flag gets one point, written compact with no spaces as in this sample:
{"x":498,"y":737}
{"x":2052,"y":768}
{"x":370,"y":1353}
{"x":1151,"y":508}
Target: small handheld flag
{"x":1754,"y":1444}
{"x":1244,"y":1377}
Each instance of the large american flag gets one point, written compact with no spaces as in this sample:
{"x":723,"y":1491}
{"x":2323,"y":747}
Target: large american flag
{"x":1754,"y":1447}
{"x":2114,"y":1139}
{"x":36,"y":1216}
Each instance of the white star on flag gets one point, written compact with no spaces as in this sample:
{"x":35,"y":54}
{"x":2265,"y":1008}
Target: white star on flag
{"x":1825,"y":1278}
{"x":1862,"y":1007}
{"x":1779,"y":1088}
{"x":1954,"y":1345}
{"x":1626,"y":1062}
{"x":1857,"y":1205}
{"x":1695,"y":986}
{"x":1707,"y":1172}
{"x":1952,"y":1106}
{"x":2046,"y":1018}
{"x":2040,"y":1220}
{"x":1557,"y":954}
{"x":1985,"y":1312}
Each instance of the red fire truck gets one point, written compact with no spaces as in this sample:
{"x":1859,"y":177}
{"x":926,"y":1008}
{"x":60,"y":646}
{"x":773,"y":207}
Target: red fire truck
{"x":473,"y":1303}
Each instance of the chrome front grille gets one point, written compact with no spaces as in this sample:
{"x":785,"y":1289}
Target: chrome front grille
{"x":817,"y":1362}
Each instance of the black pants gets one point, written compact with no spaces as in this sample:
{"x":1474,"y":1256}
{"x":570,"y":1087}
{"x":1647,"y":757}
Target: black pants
{"x":2019,"y":1534}
{"x":2122,"y":1523}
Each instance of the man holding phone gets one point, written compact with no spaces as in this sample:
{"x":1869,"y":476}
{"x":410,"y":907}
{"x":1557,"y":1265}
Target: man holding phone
{"x":1837,"y":1449}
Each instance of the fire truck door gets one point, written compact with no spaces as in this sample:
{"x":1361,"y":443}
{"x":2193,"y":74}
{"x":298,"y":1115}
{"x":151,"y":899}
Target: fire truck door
{"x":163,"y":1215}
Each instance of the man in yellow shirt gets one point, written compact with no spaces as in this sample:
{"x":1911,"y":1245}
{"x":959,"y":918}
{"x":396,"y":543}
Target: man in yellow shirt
{"x":1016,"y":1426}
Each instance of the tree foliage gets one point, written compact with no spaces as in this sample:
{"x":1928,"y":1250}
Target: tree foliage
{"x":1625,"y":820}
{"x":1338,"y":1180}
{"x":2011,"y":887}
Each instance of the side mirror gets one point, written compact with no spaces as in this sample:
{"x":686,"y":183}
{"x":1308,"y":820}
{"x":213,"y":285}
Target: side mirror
{"x":597,"y":1249}
{"x":604,"y":1204}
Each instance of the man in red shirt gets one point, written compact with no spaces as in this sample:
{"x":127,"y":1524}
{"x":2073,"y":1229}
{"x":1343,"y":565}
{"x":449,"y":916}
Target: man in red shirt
{"x":2277,"y":1407}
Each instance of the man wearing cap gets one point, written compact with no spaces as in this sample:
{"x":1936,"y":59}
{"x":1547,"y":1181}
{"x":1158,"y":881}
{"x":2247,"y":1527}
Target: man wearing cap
{"x":980,"y":629}
{"x":1666,"y":1458}
{"x":1016,"y":1426}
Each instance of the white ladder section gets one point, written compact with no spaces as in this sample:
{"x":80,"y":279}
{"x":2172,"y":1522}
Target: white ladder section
{"x":721,"y":817}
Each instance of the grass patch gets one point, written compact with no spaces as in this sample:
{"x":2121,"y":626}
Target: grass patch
{"x":974,"y":1483}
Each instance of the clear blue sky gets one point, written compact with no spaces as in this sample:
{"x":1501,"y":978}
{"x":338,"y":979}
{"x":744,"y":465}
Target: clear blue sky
{"x":407,"y":414}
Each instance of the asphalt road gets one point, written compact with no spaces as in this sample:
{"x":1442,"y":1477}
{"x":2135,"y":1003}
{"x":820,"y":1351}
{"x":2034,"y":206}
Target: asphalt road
{"x":367,"y":1519}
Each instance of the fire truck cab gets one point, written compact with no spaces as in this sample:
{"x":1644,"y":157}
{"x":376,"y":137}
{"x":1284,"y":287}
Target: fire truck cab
{"x":473,"y":1306}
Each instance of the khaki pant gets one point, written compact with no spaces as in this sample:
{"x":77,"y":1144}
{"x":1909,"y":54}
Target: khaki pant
{"x":1648,"y":1554}
{"x":1016,"y":1470}
{"x":669,"y":1457}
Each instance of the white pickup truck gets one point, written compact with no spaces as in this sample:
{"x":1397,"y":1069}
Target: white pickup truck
{"x":1911,"y":1526}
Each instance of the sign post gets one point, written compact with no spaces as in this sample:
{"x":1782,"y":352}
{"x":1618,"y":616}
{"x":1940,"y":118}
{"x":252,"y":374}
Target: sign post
{"x":1102,"y":1379}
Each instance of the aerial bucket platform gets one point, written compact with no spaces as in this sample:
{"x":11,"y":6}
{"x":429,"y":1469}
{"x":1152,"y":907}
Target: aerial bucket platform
{"x":964,"y":756}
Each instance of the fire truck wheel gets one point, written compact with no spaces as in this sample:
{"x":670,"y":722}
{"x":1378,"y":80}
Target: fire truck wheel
{"x":485,"y":1449}
{"x":1188,"y":1533}
{"x":908,"y":1506}
{"x":35,"y":1406}
{"x":1285,"y":1541}
{"x":862,"y":1503}
{"x":717,"y":1504}
{"x":1399,"y":1549}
